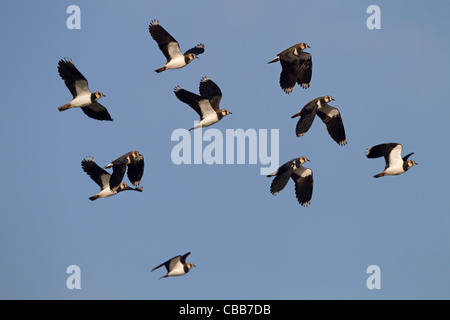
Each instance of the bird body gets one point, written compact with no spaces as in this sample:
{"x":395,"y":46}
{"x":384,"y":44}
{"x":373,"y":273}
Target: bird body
{"x":395,"y":163}
{"x":296,"y":67}
{"x":102,"y":178}
{"x":171,"y":48}
{"x":82,"y":96}
{"x":330,"y":116}
{"x":176,"y":266}
{"x":206,"y":104}
{"x":302,"y":177}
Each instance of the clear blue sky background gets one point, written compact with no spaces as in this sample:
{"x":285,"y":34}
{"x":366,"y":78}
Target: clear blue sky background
{"x":391,"y":85}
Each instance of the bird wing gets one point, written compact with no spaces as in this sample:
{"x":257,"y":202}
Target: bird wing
{"x":168,"y":263}
{"x":303,"y":178}
{"x":97,"y":111}
{"x":390,"y":151}
{"x":166,"y":43}
{"x":201,"y":105}
{"x":198,"y":49}
{"x":183,"y":258}
{"x":307,"y":115}
{"x":119,"y":168}
{"x":304,"y":70}
{"x":100,"y":176}
{"x":136,"y":171}
{"x":74,"y":80}
{"x":333,"y":120}
{"x":407,"y":156}
{"x":289,"y":75}
{"x":211,"y":91}
{"x":282,"y":178}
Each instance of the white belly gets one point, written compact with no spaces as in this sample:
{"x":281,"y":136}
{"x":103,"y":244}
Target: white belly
{"x":176,"y":63}
{"x":81,"y":101}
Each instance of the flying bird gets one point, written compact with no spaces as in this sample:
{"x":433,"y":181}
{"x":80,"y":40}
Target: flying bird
{"x":134,"y":161}
{"x":329,"y":115}
{"x":302,"y":177}
{"x":82,"y":96}
{"x":101,"y":178}
{"x":176,"y":266}
{"x":206,"y":104}
{"x":171,"y":48}
{"x":296,"y":67}
{"x":392,"y":153}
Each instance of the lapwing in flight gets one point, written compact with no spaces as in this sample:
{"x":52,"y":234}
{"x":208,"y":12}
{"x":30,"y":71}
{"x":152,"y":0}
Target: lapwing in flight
{"x":134,"y":161}
{"x":101,"y":177}
{"x":329,"y":115}
{"x":302,"y":177}
{"x":296,"y":67}
{"x":171,"y":48}
{"x":176,"y":266}
{"x":82,"y":96}
{"x":392,"y":153}
{"x":206,"y":104}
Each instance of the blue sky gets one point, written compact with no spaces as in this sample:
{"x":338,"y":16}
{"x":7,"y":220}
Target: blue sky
{"x":390,"y":85}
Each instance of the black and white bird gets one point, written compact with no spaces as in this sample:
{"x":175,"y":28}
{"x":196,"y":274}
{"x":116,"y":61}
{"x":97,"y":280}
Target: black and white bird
{"x":302,"y":177}
{"x":101,"y":177}
{"x":392,"y":153}
{"x":176,"y":266}
{"x":206,"y":104}
{"x":296,"y":67}
{"x":134,"y":161}
{"x":82,"y":96}
{"x":329,"y":115}
{"x":171,"y":48}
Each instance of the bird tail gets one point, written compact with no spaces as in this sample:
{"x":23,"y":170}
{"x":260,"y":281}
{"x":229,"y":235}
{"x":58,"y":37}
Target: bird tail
{"x":274,"y":60}
{"x":161,"y":69}
{"x":379,"y":175}
{"x":163,"y":277}
{"x":94,"y":197}
{"x":64,"y":107}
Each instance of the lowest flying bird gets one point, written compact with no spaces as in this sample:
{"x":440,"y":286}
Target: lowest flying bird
{"x":176,"y":266}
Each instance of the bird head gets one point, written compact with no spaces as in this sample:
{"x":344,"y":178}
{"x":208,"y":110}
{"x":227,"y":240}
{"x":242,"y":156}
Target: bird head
{"x":303,"y":160}
{"x":411,"y":163}
{"x":303,"y":46}
{"x":98,"y":95}
{"x":225,"y":112}
{"x":328,"y":99}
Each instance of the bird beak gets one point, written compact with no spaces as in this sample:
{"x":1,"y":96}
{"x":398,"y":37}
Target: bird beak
{"x":308,"y":46}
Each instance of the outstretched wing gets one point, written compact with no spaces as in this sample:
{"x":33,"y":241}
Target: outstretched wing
{"x":97,"y":111}
{"x":201,"y":105}
{"x":282,"y":178}
{"x":198,"y":49}
{"x":74,"y":80}
{"x":333,"y":121}
{"x":166,"y":43}
{"x":303,"y":179}
{"x":100,"y":176}
{"x":211,"y":91}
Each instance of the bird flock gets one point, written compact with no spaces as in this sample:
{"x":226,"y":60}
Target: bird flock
{"x":296,"y":69}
